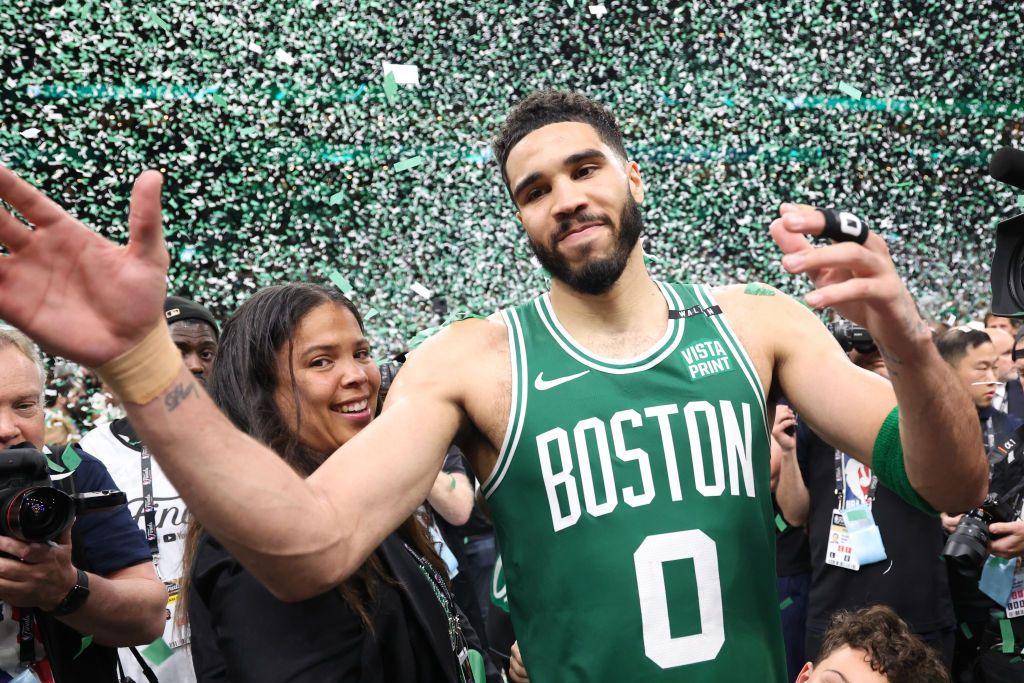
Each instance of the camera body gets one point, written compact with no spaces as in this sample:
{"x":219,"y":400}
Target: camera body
{"x":852,"y":337}
{"x":967,"y":548}
{"x":1007,"y":166}
{"x":32,"y":509}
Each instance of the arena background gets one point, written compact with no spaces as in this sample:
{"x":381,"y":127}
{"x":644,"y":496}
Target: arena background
{"x":280,"y":144}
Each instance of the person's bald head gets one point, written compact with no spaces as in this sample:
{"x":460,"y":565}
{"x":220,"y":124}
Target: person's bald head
{"x":1003,"y":343}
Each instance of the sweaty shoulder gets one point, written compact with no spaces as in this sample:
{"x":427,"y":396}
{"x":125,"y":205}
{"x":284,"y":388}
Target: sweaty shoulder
{"x":766,"y":321}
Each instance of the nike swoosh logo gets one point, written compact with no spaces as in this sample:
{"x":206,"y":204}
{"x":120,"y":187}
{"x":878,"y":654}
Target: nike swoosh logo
{"x":541,"y":384}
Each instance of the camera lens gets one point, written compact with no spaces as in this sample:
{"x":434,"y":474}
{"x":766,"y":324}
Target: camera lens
{"x":38,"y":514}
{"x":967,"y":547}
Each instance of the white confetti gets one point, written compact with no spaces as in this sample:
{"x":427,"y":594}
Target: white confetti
{"x":284,"y":57}
{"x":598,"y":10}
{"x":421,"y":290}
{"x":405,"y":74}
{"x":30,"y":133}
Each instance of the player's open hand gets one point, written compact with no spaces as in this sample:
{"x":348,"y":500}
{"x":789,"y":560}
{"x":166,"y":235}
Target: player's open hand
{"x":79,"y":295}
{"x":858,"y":280}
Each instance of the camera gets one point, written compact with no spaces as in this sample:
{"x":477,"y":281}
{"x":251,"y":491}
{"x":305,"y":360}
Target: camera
{"x":967,"y":548}
{"x":1007,"y":165}
{"x":852,"y":337}
{"x":32,"y":509}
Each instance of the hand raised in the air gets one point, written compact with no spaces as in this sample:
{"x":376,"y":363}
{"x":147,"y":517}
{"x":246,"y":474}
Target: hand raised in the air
{"x":79,"y":295}
{"x":858,"y":280}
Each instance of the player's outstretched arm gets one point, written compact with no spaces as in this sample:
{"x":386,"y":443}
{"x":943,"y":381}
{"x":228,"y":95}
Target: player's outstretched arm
{"x":301,"y":537}
{"x":938,"y":426}
{"x":92,"y":301}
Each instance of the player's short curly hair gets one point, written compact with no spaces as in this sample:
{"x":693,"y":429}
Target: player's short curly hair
{"x":545,"y":107}
{"x":890,"y":646}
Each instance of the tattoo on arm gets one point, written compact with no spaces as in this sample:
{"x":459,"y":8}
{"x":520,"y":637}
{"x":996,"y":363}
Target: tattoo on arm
{"x":179,"y":394}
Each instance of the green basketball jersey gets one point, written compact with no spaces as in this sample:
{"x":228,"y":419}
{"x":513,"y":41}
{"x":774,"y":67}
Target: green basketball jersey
{"x":632,"y":505}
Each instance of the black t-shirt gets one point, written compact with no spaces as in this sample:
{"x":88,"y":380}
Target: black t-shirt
{"x":243,"y":634}
{"x":912,"y":580}
{"x":792,"y":550}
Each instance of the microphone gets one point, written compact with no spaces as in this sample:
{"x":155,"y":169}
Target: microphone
{"x":1007,"y":166}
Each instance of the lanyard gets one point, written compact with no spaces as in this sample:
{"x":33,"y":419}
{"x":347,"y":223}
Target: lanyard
{"x":840,"y":489}
{"x":148,"y":509}
{"x":447,"y":601}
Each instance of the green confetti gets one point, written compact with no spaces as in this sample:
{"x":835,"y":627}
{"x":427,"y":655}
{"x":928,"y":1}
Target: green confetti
{"x":966,"y":630}
{"x":406,"y":164}
{"x":780,"y":523}
{"x":785,"y":603}
{"x":1006,"y":630}
{"x":390,"y":87}
{"x":219,"y":99}
{"x":370,"y":314}
{"x":86,"y":642}
{"x":1020,"y":201}
{"x":757,"y":289}
{"x":336,"y":198}
{"x":56,"y":467}
{"x":157,"y":652}
{"x":155,"y":20}
{"x":71,"y":459}
{"x":850,"y":90}
{"x":343,"y":285}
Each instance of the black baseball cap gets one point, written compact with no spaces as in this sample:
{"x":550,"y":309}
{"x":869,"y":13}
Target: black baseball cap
{"x":179,"y":308}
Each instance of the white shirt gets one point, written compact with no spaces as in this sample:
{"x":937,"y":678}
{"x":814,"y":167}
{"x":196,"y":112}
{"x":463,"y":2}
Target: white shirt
{"x":125,"y":466}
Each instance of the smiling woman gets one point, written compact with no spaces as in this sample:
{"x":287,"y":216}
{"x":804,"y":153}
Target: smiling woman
{"x":294,"y":371}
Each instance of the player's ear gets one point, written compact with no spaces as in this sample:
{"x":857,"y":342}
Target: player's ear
{"x":805,"y":673}
{"x":636,"y":182}
{"x":519,"y":217}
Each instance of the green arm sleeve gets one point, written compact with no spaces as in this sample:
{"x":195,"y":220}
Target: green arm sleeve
{"x":887,"y":463}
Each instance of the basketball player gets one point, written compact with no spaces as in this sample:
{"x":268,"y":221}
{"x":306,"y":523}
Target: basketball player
{"x":618,"y":423}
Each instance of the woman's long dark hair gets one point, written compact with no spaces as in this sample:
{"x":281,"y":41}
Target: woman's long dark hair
{"x":243,"y":383}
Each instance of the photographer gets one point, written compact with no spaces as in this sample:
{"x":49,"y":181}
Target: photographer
{"x":1006,"y":371}
{"x":992,"y":633}
{"x":908,"y":575}
{"x":96,"y":580}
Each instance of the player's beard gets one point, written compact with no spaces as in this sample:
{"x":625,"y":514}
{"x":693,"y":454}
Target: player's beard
{"x":596,"y":275}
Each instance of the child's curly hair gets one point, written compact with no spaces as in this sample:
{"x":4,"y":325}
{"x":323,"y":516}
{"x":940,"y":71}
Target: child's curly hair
{"x":890,"y":646}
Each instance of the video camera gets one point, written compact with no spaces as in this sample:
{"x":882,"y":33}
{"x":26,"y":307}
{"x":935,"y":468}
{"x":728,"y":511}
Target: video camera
{"x":852,"y":337}
{"x":1007,"y":165}
{"x":967,"y":547}
{"x":32,"y":509}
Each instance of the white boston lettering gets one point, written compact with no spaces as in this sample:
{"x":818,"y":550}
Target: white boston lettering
{"x":604,"y":459}
{"x":643,"y":461}
{"x":696,"y":452}
{"x":737,"y":446}
{"x":720,"y":445}
{"x":668,"y":445}
{"x":564,"y":478}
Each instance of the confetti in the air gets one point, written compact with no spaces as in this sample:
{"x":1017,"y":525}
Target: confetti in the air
{"x":421,"y":291}
{"x":849,"y":91}
{"x":282,"y":151}
{"x":406,"y":164}
{"x":598,"y":10}
{"x":404,"y":74}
